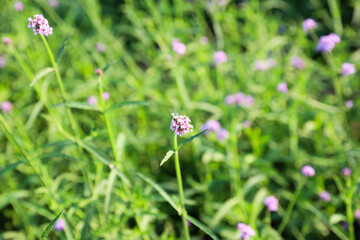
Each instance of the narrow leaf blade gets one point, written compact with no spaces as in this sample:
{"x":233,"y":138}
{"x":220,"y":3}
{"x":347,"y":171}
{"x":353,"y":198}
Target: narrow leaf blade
{"x":202,"y":227}
{"x":50,"y":226}
{"x":127,"y":103}
{"x":191,"y":138}
{"x":167,"y":156}
{"x":61,"y":50}
{"x":9,"y":167}
{"x":42,"y":73}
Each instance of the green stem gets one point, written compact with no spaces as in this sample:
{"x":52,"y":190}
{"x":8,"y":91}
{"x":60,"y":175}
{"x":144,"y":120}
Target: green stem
{"x":291,"y":206}
{"x":349,"y":212}
{"x":181,"y":191}
{"x":268,"y":218}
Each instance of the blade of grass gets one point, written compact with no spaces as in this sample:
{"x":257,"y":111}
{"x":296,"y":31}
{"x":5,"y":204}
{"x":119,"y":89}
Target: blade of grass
{"x":50,"y":226}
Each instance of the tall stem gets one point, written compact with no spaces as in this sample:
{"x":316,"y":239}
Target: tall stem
{"x":181,"y":191}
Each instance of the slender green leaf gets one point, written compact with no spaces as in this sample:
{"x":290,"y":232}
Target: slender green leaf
{"x":50,"y":226}
{"x":62,"y":48}
{"x":109,"y":188}
{"x":108,"y":66}
{"x":202,"y":227}
{"x":127,"y":103}
{"x":11,"y":166}
{"x":191,"y":138}
{"x":77,"y":105}
{"x":89,"y":213}
{"x":42,"y":73}
{"x":167,"y":156}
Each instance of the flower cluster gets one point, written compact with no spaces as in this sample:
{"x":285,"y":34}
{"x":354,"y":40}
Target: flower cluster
{"x":328,"y":42}
{"x":2,"y":61}
{"x":282,"y":87}
{"x":272,"y":203}
{"x":180,"y":124}
{"x":357,"y":214}
{"x":178,"y":47}
{"x":6,"y":40}
{"x":6,"y":106}
{"x":40,"y":25}
{"x":240,"y":99}
{"x":263,"y":65}
{"x":59,"y":225}
{"x":100,"y":47}
{"x":204,"y":40}
{"x":19,"y":6}
{"x":308,"y":171}
{"x":347,"y":69}
{"x":325,"y":195}
{"x":309,"y":24}
{"x":246,"y":231}
{"x":349,"y":104}
{"x":346,"y":171}
{"x":214,"y":126}
{"x":220,"y":57}
{"x":298,"y":62}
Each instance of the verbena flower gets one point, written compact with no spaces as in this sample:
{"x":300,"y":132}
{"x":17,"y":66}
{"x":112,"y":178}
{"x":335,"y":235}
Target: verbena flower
{"x":263,"y":65}
{"x":246,"y":124}
{"x":282,"y":87}
{"x":271,"y":203}
{"x":347,"y":69}
{"x":99,"y":71}
{"x":53,"y":3}
{"x":357,"y":214}
{"x":178,"y":47}
{"x":180,"y":124}
{"x":246,"y":231}
{"x":106,"y":95}
{"x":6,"y":106}
{"x":220,"y":57}
{"x":349,"y":104}
{"x":92,"y":100}
{"x":328,"y":42}
{"x":298,"y":62}
{"x":2,"y":61}
{"x":325,"y":195}
{"x":19,"y":6}
{"x":222,"y":134}
{"x":204,"y":40}
{"x":211,"y":125}
{"x":240,"y":99}
{"x":6,"y":40}
{"x":59,"y":225}
{"x":40,"y":25}
{"x":346,"y":171}
{"x":308,"y":171}
{"x":100,"y":47}
{"x":309,"y":24}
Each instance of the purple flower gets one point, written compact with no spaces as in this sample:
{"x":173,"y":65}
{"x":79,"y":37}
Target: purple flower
{"x":211,"y":125}
{"x":6,"y":40}
{"x":178,"y":47}
{"x":106,"y":95}
{"x":204,"y":40}
{"x":53,"y":3}
{"x":222,"y":134}
{"x":307,"y":171}
{"x":6,"y":106}
{"x":240,"y":99}
{"x":298,"y":63}
{"x":263,"y":65}
{"x":2,"y":61}
{"x":40,"y":25}
{"x":357,"y":214}
{"x":349,"y":104}
{"x":246,"y":124}
{"x":325,"y":195}
{"x":347,"y":69}
{"x":92,"y":100}
{"x":327,"y":42}
{"x":246,"y":231}
{"x":220,"y":57}
{"x":188,"y":222}
{"x":346,"y":171}
{"x":100,"y":47}
{"x":282,"y":87}
{"x":19,"y":6}
{"x":249,"y":100}
{"x":272,"y":203}
{"x":230,"y":99}
{"x":180,"y":124}
{"x":59,"y":225}
{"x":309,"y":24}
{"x":99,"y":72}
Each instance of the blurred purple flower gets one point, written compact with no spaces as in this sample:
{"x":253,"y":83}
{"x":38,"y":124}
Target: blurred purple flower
{"x":307,"y":171}
{"x":220,"y":57}
{"x":204,"y":40}
{"x":2,"y":61}
{"x":282,"y":87}
{"x":272,"y":203}
{"x":246,"y":231}
{"x":40,"y":25}
{"x":346,"y":171}
{"x":246,"y":124}
{"x":106,"y":95}
{"x":349,"y":104}
{"x":59,"y":225}
{"x":178,"y":47}
{"x":263,"y":65}
{"x":19,"y":6}
{"x":298,"y":62}
{"x":309,"y":24}
{"x":99,"y":72}
{"x":211,"y":125}
{"x":230,"y":99}
{"x":240,"y":99}
{"x":222,"y":134}
{"x":249,"y":100}
{"x":6,"y":106}
{"x":92,"y":100}
{"x":100,"y":47}
{"x":357,"y":214}
{"x":221,"y":3}
{"x":6,"y":40}
{"x":180,"y":124}
{"x":53,"y":3}
{"x":347,"y":69}
{"x":188,"y":222}
{"x":325,"y":195}
{"x":327,"y":42}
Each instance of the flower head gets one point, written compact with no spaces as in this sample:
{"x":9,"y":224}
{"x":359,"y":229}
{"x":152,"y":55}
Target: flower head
{"x":282,"y":87}
{"x":347,"y":69}
{"x":6,"y":106}
{"x":188,"y":222}
{"x":180,"y":124}
{"x":40,"y":25}
{"x":349,"y":104}
{"x":59,"y":225}
{"x":246,"y":124}
{"x":246,"y":231}
{"x":19,"y":6}
{"x":357,"y":214}
{"x":298,"y":63}
{"x":100,"y":47}
{"x":328,"y":42}
{"x":309,"y":24}
{"x":6,"y":40}
{"x":178,"y":47}
{"x":211,"y":125}
{"x":240,"y":99}
{"x":204,"y":40}
{"x":2,"y":61}
{"x":220,"y":57}
{"x":106,"y":95}
{"x":307,"y":171}
{"x":263,"y":65}
{"x":99,"y":72}
{"x":222,"y":134}
{"x":325,"y":195}
{"x":53,"y":3}
{"x":346,"y":171}
{"x":272,"y":203}
{"x":92,"y":100}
